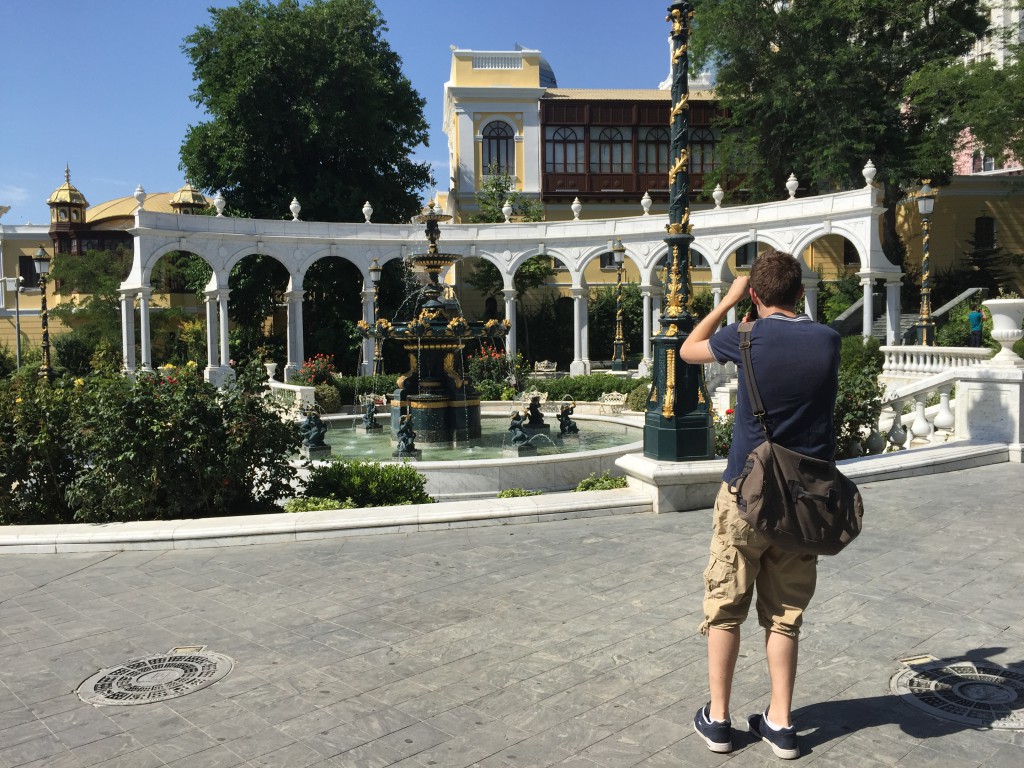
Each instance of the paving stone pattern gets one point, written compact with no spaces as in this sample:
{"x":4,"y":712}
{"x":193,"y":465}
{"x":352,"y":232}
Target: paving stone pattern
{"x":565,"y":643}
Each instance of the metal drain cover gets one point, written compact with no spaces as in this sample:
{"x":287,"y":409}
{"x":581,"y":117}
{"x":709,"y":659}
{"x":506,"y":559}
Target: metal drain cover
{"x":178,"y":672}
{"x":977,"y":693}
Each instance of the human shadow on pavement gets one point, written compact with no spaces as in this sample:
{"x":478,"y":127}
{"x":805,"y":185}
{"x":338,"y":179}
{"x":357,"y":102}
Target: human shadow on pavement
{"x":825,"y":721}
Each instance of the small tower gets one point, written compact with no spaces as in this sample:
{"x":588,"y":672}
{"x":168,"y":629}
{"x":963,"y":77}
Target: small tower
{"x":189,"y":200}
{"x":67,"y":216}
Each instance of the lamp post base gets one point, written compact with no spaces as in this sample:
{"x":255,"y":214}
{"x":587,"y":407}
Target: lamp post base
{"x":924,"y":333}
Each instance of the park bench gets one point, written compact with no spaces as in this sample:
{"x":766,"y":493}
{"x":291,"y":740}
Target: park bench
{"x":611,"y":402}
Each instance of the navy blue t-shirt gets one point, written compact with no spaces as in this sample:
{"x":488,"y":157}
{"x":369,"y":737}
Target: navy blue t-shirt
{"x":796,"y":366}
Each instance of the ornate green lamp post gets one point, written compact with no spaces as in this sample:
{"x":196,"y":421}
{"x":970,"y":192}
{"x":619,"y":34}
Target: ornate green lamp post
{"x":375,"y":272}
{"x":618,"y":346}
{"x":924,"y":329}
{"x":677,"y":425}
{"x":42,"y":264}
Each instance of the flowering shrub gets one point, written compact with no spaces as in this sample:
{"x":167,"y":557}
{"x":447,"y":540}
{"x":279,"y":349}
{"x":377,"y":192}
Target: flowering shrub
{"x":161,"y":447}
{"x":492,"y":371}
{"x":723,"y":432}
{"x":318,"y":369}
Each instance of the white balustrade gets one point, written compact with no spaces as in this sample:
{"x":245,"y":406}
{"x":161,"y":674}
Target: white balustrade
{"x":909,"y":364}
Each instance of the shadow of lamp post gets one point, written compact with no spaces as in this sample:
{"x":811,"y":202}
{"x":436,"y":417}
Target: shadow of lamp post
{"x":618,"y":346}
{"x":925,"y":326}
{"x":375,"y":272}
{"x":42,"y":265}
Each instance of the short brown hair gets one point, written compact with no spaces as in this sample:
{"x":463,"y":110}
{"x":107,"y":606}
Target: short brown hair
{"x":776,"y":278}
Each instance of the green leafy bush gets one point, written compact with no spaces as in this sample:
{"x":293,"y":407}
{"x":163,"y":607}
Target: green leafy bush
{"x":583,"y":388}
{"x":723,"y":432}
{"x":859,"y":400}
{"x":318,"y":369}
{"x":604,"y":482}
{"x":512,"y":493}
{"x":351,"y":387}
{"x":638,"y":396}
{"x":858,"y":354}
{"x":316,"y":504}
{"x":327,"y":398}
{"x":955,"y":329}
{"x":491,"y":370}
{"x":74,"y":352}
{"x":368,"y":483}
{"x":106,"y":448}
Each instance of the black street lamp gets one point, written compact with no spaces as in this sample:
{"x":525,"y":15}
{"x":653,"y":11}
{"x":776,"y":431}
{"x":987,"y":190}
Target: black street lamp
{"x":618,"y":347}
{"x":375,"y":273}
{"x":42,"y":264}
{"x":925,"y":326}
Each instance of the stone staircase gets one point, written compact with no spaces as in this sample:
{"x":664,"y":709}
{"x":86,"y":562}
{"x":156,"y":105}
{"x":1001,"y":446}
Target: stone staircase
{"x":906,"y":324}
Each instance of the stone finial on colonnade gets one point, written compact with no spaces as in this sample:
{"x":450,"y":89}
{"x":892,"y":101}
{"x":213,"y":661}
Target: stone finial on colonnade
{"x":869,"y":173}
{"x":219,"y":203}
{"x":792,"y":185}
{"x":367,"y":211}
{"x":718,"y":195}
{"x":506,"y":211}
{"x":576,"y":207}
{"x":140,"y":198}
{"x":295,"y":208}
{"x":646,"y":202}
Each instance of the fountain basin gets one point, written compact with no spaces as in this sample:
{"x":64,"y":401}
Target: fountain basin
{"x":484,"y":472}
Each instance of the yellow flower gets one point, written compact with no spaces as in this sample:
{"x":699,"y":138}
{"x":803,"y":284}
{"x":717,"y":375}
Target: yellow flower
{"x":79,"y":382}
{"x":17,"y":400}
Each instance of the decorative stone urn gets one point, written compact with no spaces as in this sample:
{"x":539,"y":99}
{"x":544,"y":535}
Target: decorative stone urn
{"x":271,"y":369}
{"x":1007,"y":315}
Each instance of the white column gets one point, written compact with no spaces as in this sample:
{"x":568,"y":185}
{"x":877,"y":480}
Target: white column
{"x":294,"y":335}
{"x":368,"y":343}
{"x":510,"y":315}
{"x":716,"y":293}
{"x":867,"y":284}
{"x":645,"y":364}
{"x":585,"y":329}
{"x":892,"y":312}
{"x":811,"y":299}
{"x":576,"y":368}
{"x":213,"y":360}
{"x":225,"y":344}
{"x":144,"y":340}
{"x":128,"y":330}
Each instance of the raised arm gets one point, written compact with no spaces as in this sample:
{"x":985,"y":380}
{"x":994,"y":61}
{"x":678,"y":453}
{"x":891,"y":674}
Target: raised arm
{"x":695,"y":348}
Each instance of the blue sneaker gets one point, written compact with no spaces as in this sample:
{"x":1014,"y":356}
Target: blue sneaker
{"x":783,"y":741}
{"x":718,"y":736}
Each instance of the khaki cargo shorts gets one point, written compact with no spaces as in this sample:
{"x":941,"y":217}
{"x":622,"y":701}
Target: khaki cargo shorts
{"x":742,"y":559}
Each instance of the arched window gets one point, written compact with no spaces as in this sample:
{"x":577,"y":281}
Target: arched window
{"x":611,"y":150}
{"x":697,"y":260}
{"x":564,"y":150}
{"x":654,"y":147}
{"x":703,"y":158}
{"x":499,"y":149}
{"x":746,"y":254}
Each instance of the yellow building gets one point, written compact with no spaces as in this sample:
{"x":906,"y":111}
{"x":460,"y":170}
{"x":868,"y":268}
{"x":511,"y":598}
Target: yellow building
{"x":74,"y":229}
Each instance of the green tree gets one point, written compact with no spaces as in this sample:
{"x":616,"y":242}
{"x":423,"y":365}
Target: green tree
{"x":306,"y":100}
{"x":818,"y":87}
{"x":602,"y":320}
{"x":496,"y":190}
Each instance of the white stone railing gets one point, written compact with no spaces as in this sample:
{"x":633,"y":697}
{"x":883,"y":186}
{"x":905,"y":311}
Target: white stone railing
{"x":497,"y":61}
{"x":925,"y":425}
{"x":910,"y":364}
{"x":296,"y":399}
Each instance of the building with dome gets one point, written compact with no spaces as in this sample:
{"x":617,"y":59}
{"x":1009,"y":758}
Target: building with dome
{"x":75,"y":228}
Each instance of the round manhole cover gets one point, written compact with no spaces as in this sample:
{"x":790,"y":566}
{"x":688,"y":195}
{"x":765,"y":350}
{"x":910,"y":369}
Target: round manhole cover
{"x":155,"y":678}
{"x":968,"y":692}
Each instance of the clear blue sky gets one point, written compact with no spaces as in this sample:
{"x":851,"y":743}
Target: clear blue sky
{"x":104,"y":87}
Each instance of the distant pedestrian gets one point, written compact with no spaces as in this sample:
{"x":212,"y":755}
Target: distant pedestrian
{"x":977,"y":320}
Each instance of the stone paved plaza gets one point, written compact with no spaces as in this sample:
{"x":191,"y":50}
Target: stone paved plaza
{"x":567,"y":643}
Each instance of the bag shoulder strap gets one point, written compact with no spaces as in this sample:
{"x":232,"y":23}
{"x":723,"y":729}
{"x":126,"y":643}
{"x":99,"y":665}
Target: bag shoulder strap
{"x":756,"y":404}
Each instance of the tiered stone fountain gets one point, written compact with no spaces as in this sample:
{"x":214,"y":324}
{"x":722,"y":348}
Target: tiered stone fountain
{"x":442,"y":402}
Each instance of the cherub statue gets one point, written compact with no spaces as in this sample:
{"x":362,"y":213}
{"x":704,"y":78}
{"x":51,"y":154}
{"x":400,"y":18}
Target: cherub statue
{"x":370,"y":416}
{"x":312,"y":429}
{"x":406,"y":436}
{"x":536,"y":416}
{"x":566,"y":426}
{"x":519,"y":436}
